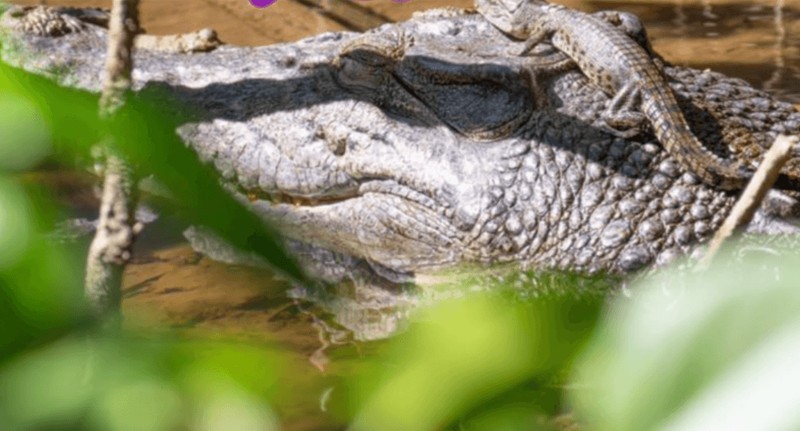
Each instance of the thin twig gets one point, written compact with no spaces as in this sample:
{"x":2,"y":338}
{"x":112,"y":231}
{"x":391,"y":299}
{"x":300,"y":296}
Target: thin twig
{"x":122,"y":28}
{"x":754,"y":193}
{"x":111,"y":248}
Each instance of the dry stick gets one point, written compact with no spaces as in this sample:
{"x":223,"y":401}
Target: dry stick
{"x":753,"y":194}
{"x":111,"y":248}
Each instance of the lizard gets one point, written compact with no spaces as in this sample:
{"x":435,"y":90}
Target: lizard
{"x":624,"y":69}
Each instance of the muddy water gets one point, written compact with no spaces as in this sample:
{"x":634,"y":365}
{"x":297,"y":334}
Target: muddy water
{"x":169,"y":284}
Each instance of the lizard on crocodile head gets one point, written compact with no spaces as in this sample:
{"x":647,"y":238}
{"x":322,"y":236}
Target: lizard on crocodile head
{"x":623,"y":69}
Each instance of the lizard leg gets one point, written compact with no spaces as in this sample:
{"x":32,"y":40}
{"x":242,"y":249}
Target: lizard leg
{"x":543,"y":67}
{"x":537,"y":35}
{"x":548,"y":60}
{"x":629,"y":97}
{"x":623,"y":115}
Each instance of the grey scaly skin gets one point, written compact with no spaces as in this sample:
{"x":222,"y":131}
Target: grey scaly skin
{"x":375,"y":145}
{"x":59,"y":21}
{"x":625,"y":70}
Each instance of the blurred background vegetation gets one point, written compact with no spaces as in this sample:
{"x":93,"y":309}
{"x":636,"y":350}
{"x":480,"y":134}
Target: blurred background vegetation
{"x":677,"y":351}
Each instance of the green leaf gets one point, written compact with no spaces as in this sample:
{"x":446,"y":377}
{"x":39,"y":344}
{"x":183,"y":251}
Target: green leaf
{"x":689,"y":353}
{"x":40,"y":287}
{"x":24,"y":136}
{"x":117,"y":382}
{"x":463,"y":354}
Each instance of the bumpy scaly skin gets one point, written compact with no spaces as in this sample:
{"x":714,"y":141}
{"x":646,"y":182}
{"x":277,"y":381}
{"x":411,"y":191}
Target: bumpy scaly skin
{"x":59,"y":21}
{"x":623,"y":69}
{"x":373,"y":146}
{"x":42,"y":21}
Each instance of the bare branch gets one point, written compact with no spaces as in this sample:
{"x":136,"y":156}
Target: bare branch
{"x":123,"y":26}
{"x":111,"y":248}
{"x":757,"y":188}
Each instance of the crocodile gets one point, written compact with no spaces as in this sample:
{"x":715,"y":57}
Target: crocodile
{"x":58,"y":21}
{"x":624,"y":69}
{"x":374,"y":145}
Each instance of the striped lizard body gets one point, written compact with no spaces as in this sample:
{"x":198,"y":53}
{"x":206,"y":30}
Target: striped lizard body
{"x":625,"y":71}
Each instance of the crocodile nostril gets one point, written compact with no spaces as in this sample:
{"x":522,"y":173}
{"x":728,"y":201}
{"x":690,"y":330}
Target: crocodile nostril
{"x":289,"y":61}
{"x":337,"y":146}
{"x":337,"y":142}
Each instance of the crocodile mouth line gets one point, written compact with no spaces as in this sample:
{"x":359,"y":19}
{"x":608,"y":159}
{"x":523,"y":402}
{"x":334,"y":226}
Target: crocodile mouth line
{"x":385,"y":187}
{"x":298,"y":201}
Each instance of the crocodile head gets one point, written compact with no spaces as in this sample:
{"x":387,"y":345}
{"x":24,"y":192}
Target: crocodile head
{"x":412,"y":155}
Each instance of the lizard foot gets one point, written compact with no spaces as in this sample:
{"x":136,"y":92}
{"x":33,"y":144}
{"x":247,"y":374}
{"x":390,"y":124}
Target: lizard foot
{"x":624,"y":124}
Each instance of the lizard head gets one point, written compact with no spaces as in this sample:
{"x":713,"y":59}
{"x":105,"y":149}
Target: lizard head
{"x":509,"y":16}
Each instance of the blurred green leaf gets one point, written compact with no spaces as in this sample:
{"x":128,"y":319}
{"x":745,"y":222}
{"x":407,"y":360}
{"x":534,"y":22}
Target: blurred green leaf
{"x":232,"y":408}
{"x":125,"y":383}
{"x":522,"y":416}
{"x":530,"y":406}
{"x":24,"y":137}
{"x":249,"y":367}
{"x":145,"y":404}
{"x":45,"y":387}
{"x":70,"y":115}
{"x":15,"y":228}
{"x":462,"y":354}
{"x":40,"y":286}
{"x":717,"y":350}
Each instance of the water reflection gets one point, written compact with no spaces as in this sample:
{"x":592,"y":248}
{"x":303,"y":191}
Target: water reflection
{"x":757,"y":42}
{"x":781,"y":46}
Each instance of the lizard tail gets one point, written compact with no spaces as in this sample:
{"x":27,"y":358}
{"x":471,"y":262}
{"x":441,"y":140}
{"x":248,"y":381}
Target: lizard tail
{"x":672,"y":130}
